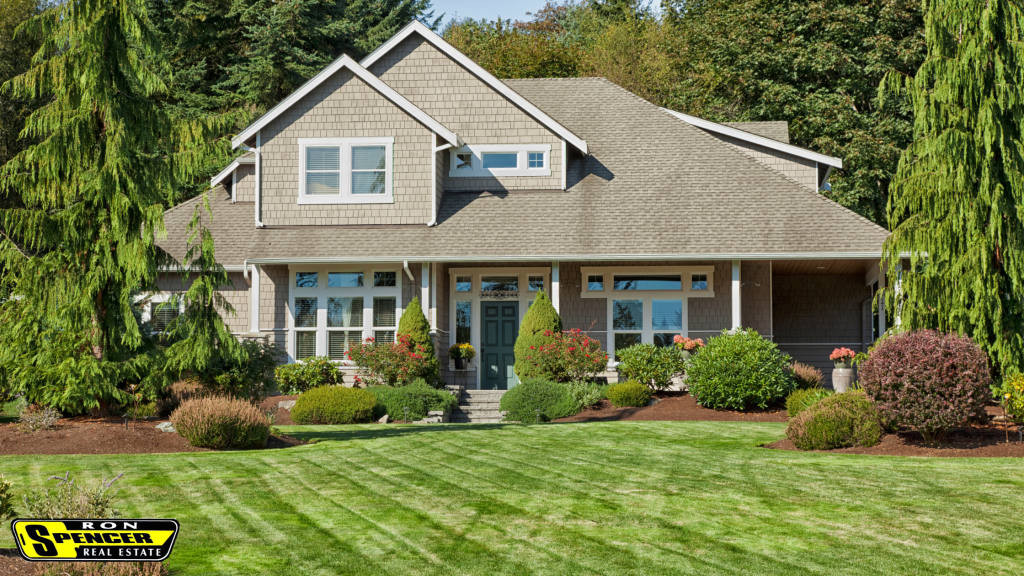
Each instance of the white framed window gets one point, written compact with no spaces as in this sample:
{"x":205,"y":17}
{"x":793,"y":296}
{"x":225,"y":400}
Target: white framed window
{"x":346,"y":170}
{"x":501,"y":160}
{"x":335,"y":308}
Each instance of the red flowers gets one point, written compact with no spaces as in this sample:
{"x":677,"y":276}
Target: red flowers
{"x":572,"y":356}
{"x":386,"y":363}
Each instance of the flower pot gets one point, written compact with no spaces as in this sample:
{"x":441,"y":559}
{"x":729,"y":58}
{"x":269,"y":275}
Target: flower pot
{"x":460,"y":363}
{"x":843,"y":364}
{"x":686,"y":355}
{"x":842,"y":378}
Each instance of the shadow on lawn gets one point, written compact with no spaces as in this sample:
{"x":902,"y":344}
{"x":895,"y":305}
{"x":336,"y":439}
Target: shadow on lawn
{"x":387,"y":431}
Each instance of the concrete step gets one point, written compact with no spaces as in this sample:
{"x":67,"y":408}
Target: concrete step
{"x":481,"y":393}
{"x":474,"y":413}
{"x":475,"y":421}
{"x":475,"y":404}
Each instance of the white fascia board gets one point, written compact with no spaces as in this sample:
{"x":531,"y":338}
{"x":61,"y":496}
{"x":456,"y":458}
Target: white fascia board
{"x":418,"y":27}
{"x":363,"y":74}
{"x":579,"y":258}
{"x":224,"y":174}
{"x":755,"y":139}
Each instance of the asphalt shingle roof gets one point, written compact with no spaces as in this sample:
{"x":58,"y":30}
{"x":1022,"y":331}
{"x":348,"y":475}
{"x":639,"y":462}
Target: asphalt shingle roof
{"x":652,"y":185}
{"x":776,"y":130}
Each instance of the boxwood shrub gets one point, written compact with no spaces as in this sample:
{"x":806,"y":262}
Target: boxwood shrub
{"x":802,"y":399}
{"x":334,"y":405}
{"x":419,"y":397}
{"x":221,"y":422}
{"x":552,"y":398}
{"x":839,"y":421}
{"x":739,"y":370}
{"x":631,"y":393}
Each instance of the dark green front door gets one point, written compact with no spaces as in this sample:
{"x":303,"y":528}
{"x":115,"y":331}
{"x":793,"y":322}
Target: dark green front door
{"x":497,"y":344}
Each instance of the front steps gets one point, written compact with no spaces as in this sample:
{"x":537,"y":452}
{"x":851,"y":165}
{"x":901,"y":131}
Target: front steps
{"x":477,"y":406}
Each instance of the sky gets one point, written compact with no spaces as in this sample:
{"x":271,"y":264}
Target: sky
{"x":489,"y":9}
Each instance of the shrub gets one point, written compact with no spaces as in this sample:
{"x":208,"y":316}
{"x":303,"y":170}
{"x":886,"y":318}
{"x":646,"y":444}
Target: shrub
{"x":177,"y":393}
{"x":334,"y":405}
{"x":806,"y":377}
{"x":252,"y":378}
{"x":389,"y":363}
{"x":631,"y":393}
{"x":15,"y":406}
{"x":1011,"y":395}
{"x":653,"y":366}
{"x":540,"y":323}
{"x":104,"y":569}
{"x":221,"y":422}
{"x":927,"y":380}
{"x":142,"y":410}
{"x":307,"y":374}
{"x":419,"y":397}
{"x":551,"y":398}
{"x":571,"y":355}
{"x":738,"y":370}
{"x":584,"y":393}
{"x":39,"y":417}
{"x":414,"y":325}
{"x":802,"y":399}
{"x":7,"y":510}
{"x":71,"y":500}
{"x":838,"y":421}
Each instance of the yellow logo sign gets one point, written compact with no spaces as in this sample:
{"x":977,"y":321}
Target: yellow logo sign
{"x":109,"y":540}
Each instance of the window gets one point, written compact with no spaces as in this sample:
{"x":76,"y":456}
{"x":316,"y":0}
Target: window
{"x":463,"y":283}
{"x":305,"y":279}
{"x":698,"y":281}
{"x":385,"y":319}
{"x":666,"y":320}
{"x":344,"y":325}
{"x":499,"y":284}
{"x":305,"y":327}
{"x":501,"y":160}
{"x":344,"y":280}
{"x":161,"y":315}
{"x":536,"y":283}
{"x":595,"y":282}
{"x":627,"y":323}
{"x":647,"y":282}
{"x":383,"y":279}
{"x":345,"y":170}
{"x":464,"y":161}
{"x":536,"y":159}
{"x":463,"y":321}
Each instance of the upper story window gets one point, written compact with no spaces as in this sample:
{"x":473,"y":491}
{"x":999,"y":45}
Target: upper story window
{"x":501,"y":160}
{"x":345,"y":170}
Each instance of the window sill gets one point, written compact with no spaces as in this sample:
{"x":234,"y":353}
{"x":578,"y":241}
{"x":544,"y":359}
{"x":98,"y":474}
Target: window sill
{"x":378,"y":199}
{"x":500,"y":173}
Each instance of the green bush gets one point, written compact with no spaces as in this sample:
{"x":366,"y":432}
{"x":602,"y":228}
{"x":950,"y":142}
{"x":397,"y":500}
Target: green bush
{"x":142,"y":410}
{"x":631,"y":393}
{"x":739,"y":370}
{"x":585,"y":394}
{"x":552,"y":398}
{"x":251,"y":378}
{"x":7,"y":510}
{"x":650,"y":365}
{"x":221,"y":422}
{"x":307,"y":374}
{"x":70,"y":499}
{"x":419,"y":397}
{"x":334,"y":405}
{"x":838,"y":421}
{"x":540,"y":324}
{"x":802,"y":399}
{"x":414,"y":325}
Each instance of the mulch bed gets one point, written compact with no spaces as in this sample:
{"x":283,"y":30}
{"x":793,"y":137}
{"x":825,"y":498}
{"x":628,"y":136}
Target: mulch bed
{"x":673,"y":406}
{"x":12,"y":563}
{"x":282,"y":417}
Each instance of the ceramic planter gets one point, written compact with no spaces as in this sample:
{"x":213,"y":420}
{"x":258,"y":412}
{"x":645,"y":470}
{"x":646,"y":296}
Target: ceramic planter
{"x":460,"y":363}
{"x":843,"y":365}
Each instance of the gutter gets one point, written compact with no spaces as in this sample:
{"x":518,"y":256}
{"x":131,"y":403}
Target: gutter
{"x":575,"y":257}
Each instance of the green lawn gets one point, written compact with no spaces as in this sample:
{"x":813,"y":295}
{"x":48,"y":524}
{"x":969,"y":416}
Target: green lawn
{"x":602,"y":498}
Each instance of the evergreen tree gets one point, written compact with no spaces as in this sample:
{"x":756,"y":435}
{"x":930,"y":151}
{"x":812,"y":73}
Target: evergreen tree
{"x":414,"y":325}
{"x":958,"y":190}
{"x":104,"y":161}
{"x":541,"y":317}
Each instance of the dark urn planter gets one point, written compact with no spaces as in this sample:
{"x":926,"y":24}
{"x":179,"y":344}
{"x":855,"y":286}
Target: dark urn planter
{"x":460,"y":363}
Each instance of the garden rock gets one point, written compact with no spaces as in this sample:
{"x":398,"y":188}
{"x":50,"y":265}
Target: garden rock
{"x":165,"y":427}
{"x":383,"y":419}
{"x":286,"y":404}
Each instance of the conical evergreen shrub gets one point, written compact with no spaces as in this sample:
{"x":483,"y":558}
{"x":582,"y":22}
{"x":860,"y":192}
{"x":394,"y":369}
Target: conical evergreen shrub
{"x":539,"y":318}
{"x":414,"y":325}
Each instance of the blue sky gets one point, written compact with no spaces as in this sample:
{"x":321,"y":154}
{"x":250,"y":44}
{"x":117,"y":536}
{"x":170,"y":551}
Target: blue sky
{"x":489,"y":9}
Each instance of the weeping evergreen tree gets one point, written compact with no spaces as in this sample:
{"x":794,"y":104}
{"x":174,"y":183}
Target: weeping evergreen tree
{"x":957,"y":196}
{"x":93,"y":185}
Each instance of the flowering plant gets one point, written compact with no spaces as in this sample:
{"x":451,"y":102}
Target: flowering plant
{"x":1011,"y":396}
{"x":842,"y":355}
{"x":388,"y":363}
{"x":688,"y":344}
{"x":464,"y":350}
{"x":571,"y":356}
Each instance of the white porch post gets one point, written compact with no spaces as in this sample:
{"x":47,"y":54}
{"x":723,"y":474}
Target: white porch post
{"x":254,"y":313}
{"x":425,"y":289}
{"x":554,"y":285}
{"x":737,"y":318}
{"x":433,"y":298}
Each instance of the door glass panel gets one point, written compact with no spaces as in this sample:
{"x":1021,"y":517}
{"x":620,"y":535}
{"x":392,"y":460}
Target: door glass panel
{"x":344,"y":279}
{"x":345,"y":312}
{"x":463,"y":318}
{"x":305,"y":312}
{"x":647,"y":282}
{"x":667,"y":314}
{"x":627,"y":314}
{"x":502,"y":283}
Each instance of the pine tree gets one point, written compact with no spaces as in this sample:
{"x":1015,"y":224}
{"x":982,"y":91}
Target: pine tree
{"x":105,"y":160}
{"x":540,"y":317}
{"x":414,"y":325}
{"x":958,"y":190}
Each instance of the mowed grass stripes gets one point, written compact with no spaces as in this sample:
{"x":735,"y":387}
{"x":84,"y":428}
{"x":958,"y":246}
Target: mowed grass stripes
{"x":600,"y":498}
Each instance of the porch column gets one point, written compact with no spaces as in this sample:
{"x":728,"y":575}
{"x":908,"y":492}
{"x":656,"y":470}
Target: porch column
{"x":433,"y":298}
{"x":254,"y":312}
{"x":425,"y":289}
{"x":737,"y":318}
{"x":554,"y":285}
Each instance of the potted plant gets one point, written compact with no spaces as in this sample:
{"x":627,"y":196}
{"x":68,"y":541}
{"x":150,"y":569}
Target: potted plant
{"x":843,"y":357}
{"x":842,"y":374}
{"x":461,"y":353}
{"x":687,"y":346}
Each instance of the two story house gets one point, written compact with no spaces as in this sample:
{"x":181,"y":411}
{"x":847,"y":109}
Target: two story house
{"x":415,"y":172}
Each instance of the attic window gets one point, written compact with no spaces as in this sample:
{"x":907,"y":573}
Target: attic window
{"x":345,"y":170}
{"x":464,"y":161}
{"x":500,"y":160}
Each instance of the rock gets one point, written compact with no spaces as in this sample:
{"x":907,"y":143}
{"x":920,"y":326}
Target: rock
{"x":165,"y":427}
{"x":286,"y":404}
{"x":383,"y":419}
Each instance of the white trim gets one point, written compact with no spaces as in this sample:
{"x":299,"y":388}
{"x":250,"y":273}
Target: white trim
{"x":363,"y":74}
{"x":475,"y":69}
{"x":234,"y":185}
{"x":231,"y":170}
{"x":580,"y":257}
{"x":425,"y":289}
{"x":554,"y":293}
{"x":476,"y":169}
{"x":737,"y":310}
{"x":255,"y":305}
{"x":345,"y":195}
{"x":259,"y":179}
{"x":565,"y":163}
{"x":686,"y":287}
{"x":759,"y":140}
{"x":433,"y":297}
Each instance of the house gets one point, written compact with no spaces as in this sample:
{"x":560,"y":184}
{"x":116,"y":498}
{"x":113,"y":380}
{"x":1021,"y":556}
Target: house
{"x":417,"y":173}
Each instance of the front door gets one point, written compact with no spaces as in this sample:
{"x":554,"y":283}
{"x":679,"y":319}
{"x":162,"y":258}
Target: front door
{"x":497,"y":344}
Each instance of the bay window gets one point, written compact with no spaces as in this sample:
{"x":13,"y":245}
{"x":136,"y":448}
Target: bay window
{"x":345,"y":170}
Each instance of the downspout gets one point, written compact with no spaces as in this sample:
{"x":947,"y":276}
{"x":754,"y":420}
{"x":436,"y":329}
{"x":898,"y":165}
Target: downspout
{"x":408,"y":272}
{"x":433,"y":180}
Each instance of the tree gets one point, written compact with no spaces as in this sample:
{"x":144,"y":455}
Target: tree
{"x":517,"y":50}
{"x":15,"y":59}
{"x":957,"y":194}
{"x":104,"y":160}
{"x":414,"y":325}
{"x":539,"y":323}
{"x":815,"y":64}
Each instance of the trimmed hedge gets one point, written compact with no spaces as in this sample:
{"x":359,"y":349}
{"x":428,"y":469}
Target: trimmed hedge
{"x":419,"y":397}
{"x":804,"y":398}
{"x":839,"y":421}
{"x":553,"y":400}
{"x":738,"y":370}
{"x":630,"y":393}
{"x":221,"y":422}
{"x":334,"y":405}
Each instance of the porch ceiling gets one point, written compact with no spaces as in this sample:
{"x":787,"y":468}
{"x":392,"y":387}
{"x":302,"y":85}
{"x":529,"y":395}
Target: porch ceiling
{"x":820,"y":267}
